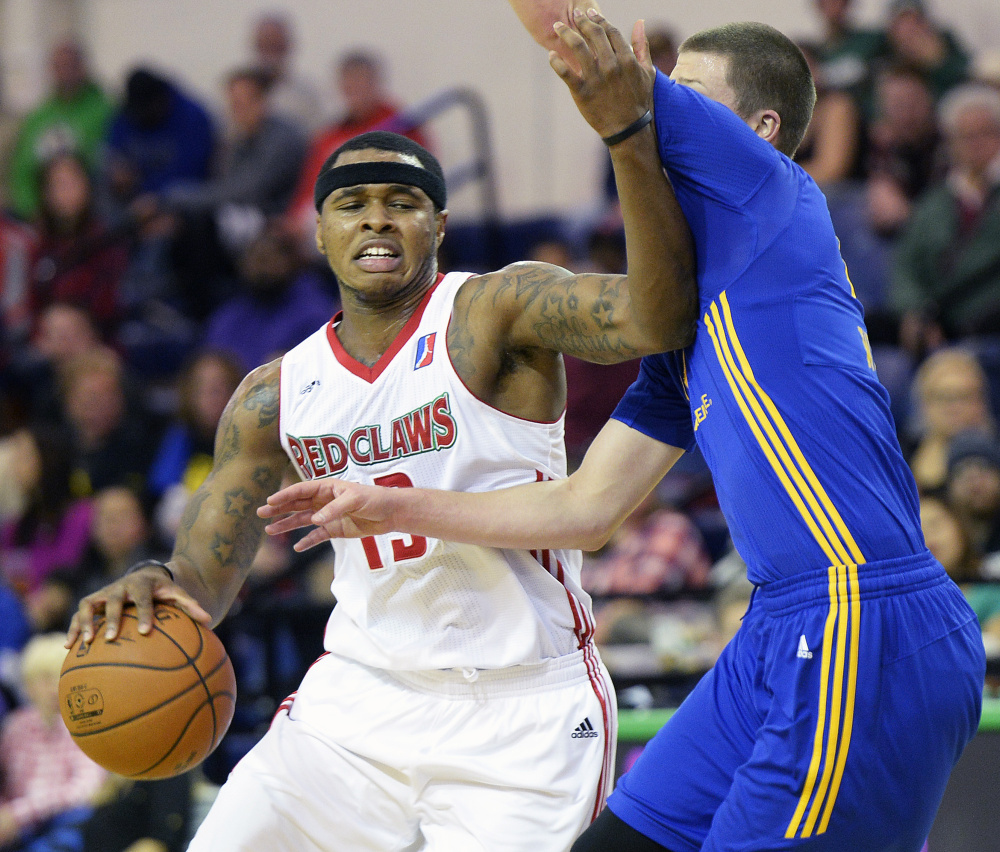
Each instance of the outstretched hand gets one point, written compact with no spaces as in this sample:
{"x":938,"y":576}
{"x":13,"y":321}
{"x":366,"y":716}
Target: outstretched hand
{"x":335,"y":507}
{"x":613,"y":83}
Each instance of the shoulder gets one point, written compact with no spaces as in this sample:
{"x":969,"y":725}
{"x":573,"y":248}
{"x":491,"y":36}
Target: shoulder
{"x":261,"y":381}
{"x":258,"y":392}
{"x":191,"y":110}
{"x":94,"y":95}
{"x":251,"y":417}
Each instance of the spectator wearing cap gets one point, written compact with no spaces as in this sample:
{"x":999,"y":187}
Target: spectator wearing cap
{"x":973,"y":489}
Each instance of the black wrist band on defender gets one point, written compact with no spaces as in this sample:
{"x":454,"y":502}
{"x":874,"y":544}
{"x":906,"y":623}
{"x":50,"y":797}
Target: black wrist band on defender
{"x":151,"y":563}
{"x":631,"y":130}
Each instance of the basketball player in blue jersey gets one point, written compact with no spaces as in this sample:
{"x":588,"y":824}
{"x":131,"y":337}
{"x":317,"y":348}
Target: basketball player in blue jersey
{"x":832,"y":720}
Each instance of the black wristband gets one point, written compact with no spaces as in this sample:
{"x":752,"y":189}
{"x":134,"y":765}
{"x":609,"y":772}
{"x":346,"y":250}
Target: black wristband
{"x":631,"y":130}
{"x":150,"y":563}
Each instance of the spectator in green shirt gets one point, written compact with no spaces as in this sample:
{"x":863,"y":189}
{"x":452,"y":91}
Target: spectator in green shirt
{"x":72,"y":118}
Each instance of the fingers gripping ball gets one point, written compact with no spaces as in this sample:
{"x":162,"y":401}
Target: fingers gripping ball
{"x":149,"y":706}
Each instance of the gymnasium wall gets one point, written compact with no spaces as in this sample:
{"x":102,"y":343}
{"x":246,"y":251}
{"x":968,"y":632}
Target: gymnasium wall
{"x":548,"y":159}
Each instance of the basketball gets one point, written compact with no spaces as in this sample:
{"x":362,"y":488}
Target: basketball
{"x":149,"y":706}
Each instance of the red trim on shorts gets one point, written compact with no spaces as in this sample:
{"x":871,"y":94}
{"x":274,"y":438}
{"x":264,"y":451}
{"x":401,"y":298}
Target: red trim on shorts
{"x":583,"y":628}
{"x":599,"y":684}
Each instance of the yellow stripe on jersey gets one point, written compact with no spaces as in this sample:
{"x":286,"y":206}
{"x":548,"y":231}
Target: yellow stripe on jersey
{"x":841,"y":631}
{"x":846,"y":273}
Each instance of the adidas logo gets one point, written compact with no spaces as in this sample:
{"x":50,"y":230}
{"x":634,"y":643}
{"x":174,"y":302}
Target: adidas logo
{"x":584,"y":730}
{"x":804,"y":651}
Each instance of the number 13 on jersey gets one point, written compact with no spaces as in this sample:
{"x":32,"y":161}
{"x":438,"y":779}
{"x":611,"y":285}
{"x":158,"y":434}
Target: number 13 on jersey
{"x":403,"y":547}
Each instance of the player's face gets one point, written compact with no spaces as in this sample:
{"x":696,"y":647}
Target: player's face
{"x":380,"y":239}
{"x":705,"y":73}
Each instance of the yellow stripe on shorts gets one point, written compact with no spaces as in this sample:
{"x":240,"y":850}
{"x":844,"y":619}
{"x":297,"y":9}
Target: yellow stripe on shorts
{"x":838,"y":678}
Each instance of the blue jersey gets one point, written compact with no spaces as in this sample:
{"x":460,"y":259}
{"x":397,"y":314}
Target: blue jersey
{"x":779,"y":389}
{"x":824,"y":724}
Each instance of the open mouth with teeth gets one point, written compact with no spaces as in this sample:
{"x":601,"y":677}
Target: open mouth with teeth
{"x":378,"y":259}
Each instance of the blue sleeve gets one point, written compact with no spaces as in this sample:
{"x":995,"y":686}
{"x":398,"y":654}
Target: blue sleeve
{"x":656,"y":405}
{"x":706,"y":146}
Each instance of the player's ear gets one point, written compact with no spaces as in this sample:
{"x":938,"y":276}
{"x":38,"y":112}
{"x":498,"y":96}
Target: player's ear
{"x":766,"y":125}
{"x":319,"y":235}
{"x":440,"y":218}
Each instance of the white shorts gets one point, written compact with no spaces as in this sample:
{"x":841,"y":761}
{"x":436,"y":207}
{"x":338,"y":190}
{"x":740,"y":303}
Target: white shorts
{"x":513,"y":759}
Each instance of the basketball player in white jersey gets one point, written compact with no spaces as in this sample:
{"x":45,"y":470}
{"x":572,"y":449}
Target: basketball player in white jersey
{"x":461,"y":704}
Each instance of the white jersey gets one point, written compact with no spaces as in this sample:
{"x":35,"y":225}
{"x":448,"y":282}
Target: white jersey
{"x":410,"y":603}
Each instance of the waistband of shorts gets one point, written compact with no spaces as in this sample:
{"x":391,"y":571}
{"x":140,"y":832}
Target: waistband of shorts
{"x":883,"y":578}
{"x":576,"y":667}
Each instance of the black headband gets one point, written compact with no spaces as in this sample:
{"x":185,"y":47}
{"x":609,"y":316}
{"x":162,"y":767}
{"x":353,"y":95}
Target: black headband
{"x":380,"y":171}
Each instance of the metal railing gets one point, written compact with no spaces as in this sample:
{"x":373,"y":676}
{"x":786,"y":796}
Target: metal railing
{"x":478,"y":167}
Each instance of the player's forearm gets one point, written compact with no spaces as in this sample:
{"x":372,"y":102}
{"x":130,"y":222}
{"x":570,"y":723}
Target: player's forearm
{"x":539,"y":515}
{"x":661,"y":271}
{"x":215,"y":547}
{"x":538,"y":16}
{"x":220,"y":531}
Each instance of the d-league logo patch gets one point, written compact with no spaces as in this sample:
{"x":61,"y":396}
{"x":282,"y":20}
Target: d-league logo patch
{"x":425,"y":351}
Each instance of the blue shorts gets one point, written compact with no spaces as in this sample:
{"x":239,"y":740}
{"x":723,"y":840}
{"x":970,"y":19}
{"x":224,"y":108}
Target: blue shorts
{"x":830,"y":722}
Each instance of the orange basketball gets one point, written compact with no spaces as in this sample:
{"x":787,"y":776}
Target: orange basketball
{"x":149,"y":706}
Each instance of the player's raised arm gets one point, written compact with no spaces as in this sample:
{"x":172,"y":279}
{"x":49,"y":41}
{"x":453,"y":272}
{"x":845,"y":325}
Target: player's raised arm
{"x":220,"y":531}
{"x":579,"y":512}
{"x":539,"y":17}
{"x":602,"y":318}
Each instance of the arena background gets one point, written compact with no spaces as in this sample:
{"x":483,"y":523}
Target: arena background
{"x":546,"y":158}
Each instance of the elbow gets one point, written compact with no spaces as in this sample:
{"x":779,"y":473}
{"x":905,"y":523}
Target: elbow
{"x":675,"y":324}
{"x":596,"y":536}
{"x":676,"y":331}
{"x":685,"y":334}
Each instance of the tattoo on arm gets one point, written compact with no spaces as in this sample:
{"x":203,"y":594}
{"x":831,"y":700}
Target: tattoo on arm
{"x":462,"y":344}
{"x":578,"y":315}
{"x":227,"y":442}
{"x":263,"y":398}
{"x":220,"y":530}
{"x":182,"y":545}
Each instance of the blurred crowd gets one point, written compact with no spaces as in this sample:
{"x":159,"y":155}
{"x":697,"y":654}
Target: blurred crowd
{"x":152,"y":252}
